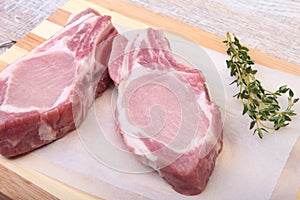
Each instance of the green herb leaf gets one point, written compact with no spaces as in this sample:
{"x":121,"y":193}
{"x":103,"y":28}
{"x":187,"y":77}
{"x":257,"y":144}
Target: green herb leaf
{"x":245,"y":109}
{"x":260,"y":104}
{"x":252,"y":124}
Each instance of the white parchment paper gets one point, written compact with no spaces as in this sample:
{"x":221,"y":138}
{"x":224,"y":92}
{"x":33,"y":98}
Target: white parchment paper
{"x":247,"y":168}
{"x":288,"y":184}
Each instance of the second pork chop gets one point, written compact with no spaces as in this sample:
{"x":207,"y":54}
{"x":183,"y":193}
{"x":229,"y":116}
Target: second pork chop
{"x":163,"y":111}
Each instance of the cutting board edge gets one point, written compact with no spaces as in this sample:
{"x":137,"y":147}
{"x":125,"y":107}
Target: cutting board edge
{"x":41,"y":185}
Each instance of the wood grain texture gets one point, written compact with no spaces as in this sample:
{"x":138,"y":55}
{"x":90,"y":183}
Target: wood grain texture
{"x":33,"y":184}
{"x":4,"y":197}
{"x":16,"y":187}
{"x":270,"y":26}
{"x":30,"y":41}
{"x":59,"y":17}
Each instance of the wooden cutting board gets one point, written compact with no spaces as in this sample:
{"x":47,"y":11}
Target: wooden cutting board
{"x":29,"y":184}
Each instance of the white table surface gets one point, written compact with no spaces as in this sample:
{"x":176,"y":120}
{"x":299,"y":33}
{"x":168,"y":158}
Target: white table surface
{"x":270,"y":26}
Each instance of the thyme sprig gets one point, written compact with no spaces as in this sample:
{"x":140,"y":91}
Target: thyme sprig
{"x":260,"y":104}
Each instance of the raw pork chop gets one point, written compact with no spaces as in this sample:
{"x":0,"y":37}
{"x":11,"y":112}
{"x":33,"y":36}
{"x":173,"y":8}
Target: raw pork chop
{"x":163,"y":111}
{"x":46,"y":94}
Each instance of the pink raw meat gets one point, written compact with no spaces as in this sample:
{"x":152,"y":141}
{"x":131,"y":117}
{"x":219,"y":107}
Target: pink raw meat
{"x":163,"y":111}
{"x":47,"y":93}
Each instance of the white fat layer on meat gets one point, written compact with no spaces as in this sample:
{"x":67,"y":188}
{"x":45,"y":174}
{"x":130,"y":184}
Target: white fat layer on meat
{"x":14,"y":109}
{"x":88,"y":95}
{"x":85,"y":69}
{"x":7,"y":89}
{"x":46,"y":132}
{"x":140,"y":149}
{"x":81,"y":19}
{"x":211,"y":138}
{"x":63,"y":96}
{"x":203,"y":103}
{"x":145,"y":156}
{"x":142,"y":37}
{"x":138,"y":146}
{"x":84,"y":18}
{"x":150,"y":160}
{"x":124,"y":69}
{"x":134,"y":48}
{"x":208,"y":141}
